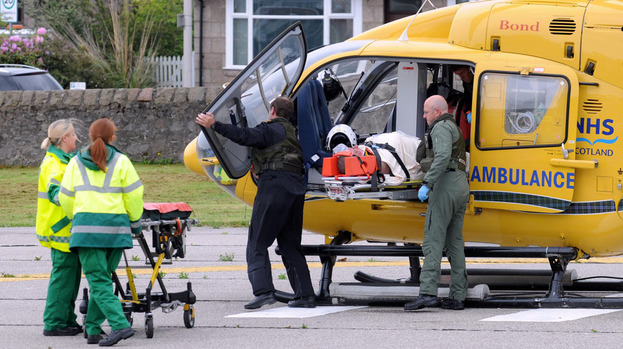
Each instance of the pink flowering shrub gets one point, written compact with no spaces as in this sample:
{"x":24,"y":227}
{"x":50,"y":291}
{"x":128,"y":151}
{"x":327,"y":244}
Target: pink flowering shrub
{"x":28,"y":50}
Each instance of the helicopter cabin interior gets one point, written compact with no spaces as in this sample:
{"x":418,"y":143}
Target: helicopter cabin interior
{"x":375,"y":96}
{"x":371,"y":96}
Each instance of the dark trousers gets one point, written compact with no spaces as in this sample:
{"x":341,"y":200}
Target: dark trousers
{"x":278,"y":214}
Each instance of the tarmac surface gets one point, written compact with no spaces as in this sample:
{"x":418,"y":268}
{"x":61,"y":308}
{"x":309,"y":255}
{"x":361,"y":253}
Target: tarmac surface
{"x":222,"y":288}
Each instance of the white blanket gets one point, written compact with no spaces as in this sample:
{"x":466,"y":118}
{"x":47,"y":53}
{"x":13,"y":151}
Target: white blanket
{"x":406,"y":148}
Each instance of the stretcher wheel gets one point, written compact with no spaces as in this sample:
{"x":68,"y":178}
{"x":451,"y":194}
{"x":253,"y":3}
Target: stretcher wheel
{"x":189,"y":317}
{"x":149,"y":326}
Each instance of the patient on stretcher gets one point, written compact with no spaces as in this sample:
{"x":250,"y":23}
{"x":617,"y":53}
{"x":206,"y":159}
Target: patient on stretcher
{"x":398,"y":162}
{"x":392,"y":153}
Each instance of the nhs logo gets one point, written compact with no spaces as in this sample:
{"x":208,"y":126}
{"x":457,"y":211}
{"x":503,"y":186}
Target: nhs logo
{"x":596,"y":131}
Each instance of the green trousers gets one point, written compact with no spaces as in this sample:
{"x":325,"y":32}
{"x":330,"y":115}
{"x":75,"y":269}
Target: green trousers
{"x":443,"y":229}
{"x":98,"y":265}
{"x":62,"y":291}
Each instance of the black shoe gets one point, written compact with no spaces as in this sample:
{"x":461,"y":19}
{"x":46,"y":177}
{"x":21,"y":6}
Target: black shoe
{"x":67,"y":331}
{"x":96,"y":338}
{"x":452,"y":304}
{"x":261,"y":300}
{"x":423,"y":300}
{"x":77,"y":327}
{"x":303,"y":302}
{"x":116,"y":336}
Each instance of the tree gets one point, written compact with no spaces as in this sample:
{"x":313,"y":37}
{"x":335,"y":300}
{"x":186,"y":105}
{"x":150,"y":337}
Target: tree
{"x":115,"y":37}
{"x":164,"y":14}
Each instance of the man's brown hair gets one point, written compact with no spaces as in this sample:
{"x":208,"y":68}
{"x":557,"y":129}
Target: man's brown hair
{"x":283,"y":107}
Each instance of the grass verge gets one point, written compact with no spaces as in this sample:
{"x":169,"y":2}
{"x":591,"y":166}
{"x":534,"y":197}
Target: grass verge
{"x":163,"y":183}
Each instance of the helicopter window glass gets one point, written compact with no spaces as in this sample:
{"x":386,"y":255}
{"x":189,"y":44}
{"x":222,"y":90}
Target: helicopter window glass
{"x":274,"y":75}
{"x":347,"y":73}
{"x":375,"y":111}
{"x":519,"y":110}
{"x":266,"y":29}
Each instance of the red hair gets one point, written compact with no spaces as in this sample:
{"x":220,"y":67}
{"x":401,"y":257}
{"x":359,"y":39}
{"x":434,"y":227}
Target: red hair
{"x":101,"y":132}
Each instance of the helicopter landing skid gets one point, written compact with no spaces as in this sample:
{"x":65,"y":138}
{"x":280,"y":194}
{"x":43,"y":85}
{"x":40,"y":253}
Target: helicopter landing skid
{"x":562,"y":288}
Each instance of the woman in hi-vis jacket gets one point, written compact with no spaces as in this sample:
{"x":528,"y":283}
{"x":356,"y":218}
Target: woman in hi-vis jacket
{"x":103,"y":196}
{"x":59,"y":316}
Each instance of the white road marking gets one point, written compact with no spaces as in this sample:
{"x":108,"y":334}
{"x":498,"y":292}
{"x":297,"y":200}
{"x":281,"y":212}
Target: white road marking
{"x":550,"y":315}
{"x":297,"y":313}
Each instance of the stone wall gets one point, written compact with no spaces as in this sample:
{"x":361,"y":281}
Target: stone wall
{"x":154,"y":124}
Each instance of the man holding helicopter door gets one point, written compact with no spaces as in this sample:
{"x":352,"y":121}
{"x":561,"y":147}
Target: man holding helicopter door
{"x":442,"y":157}
{"x":277,"y":163}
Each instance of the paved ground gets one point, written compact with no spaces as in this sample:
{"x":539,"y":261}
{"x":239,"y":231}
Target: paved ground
{"x":222,"y":289}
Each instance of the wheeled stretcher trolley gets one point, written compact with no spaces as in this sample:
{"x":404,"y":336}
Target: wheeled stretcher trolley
{"x":168,"y":224}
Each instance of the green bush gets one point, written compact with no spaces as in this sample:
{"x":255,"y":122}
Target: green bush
{"x":66,"y":64}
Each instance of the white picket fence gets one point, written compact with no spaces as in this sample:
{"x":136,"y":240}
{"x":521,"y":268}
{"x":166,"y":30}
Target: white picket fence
{"x":168,"y":72}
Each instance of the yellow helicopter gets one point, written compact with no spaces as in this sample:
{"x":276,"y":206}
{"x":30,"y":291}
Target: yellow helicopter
{"x":545,"y":168}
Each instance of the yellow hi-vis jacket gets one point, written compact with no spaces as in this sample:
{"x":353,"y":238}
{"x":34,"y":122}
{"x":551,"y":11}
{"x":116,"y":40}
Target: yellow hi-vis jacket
{"x":105,"y":207}
{"x":52,"y":224}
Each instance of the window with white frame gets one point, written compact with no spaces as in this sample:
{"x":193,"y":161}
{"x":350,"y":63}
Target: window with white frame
{"x":253,"y":24}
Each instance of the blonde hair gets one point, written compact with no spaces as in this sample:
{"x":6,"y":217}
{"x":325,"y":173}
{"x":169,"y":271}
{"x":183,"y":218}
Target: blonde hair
{"x":102,"y":132}
{"x":56,"y":131}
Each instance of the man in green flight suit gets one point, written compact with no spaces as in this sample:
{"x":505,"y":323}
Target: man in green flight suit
{"x":442,"y":157}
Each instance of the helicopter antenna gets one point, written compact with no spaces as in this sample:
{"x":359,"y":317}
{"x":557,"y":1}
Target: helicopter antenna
{"x":405,"y":36}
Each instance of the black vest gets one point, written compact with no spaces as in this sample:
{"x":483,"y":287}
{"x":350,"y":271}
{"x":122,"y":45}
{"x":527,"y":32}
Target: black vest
{"x":285,"y":155}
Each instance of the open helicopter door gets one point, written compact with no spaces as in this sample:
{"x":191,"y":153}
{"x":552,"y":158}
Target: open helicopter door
{"x":523,"y":137}
{"x":246,"y":101}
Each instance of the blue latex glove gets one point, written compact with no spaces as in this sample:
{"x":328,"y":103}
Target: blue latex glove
{"x":469,"y":117}
{"x":422,"y":194}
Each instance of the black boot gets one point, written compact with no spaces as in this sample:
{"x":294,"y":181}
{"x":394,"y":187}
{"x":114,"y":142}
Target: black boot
{"x":423,"y":300}
{"x":303,"y":302}
{"x":261,"y":300}
{"x":452,"y":304}
{"x":116,"y":336}
{"x":67,"y":331}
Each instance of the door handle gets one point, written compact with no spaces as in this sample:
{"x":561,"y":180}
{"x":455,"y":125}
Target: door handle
{"x":581,"y":164}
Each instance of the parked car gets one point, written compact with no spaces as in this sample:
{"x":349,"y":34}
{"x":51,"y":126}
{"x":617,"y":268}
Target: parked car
{"x":25,"y":77}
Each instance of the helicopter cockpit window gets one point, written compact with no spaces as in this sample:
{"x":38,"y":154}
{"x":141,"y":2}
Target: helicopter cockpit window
{"x":376,"y":109}
{"x":347,"y":73}
{"x":519,"y":110}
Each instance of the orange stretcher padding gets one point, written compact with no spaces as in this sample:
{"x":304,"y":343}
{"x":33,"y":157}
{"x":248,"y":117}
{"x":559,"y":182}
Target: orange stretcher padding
{"x":165,"y":207}
{"x":352,"y":166}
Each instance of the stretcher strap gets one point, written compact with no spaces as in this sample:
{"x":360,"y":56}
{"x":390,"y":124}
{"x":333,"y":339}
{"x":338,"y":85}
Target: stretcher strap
{"x":392,"y":151}
{"x":363,"y":167}
{"x":377,"y":177}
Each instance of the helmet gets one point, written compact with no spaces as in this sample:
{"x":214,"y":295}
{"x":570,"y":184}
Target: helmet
{"x":341,"y":134}
{"x":331,"y":87}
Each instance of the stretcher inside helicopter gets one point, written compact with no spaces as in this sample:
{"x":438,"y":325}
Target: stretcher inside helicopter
{"x":380,"y":137}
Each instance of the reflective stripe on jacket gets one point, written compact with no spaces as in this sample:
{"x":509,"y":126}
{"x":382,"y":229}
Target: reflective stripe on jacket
{"x":52,"y":225}
{"x":104,"y":206}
